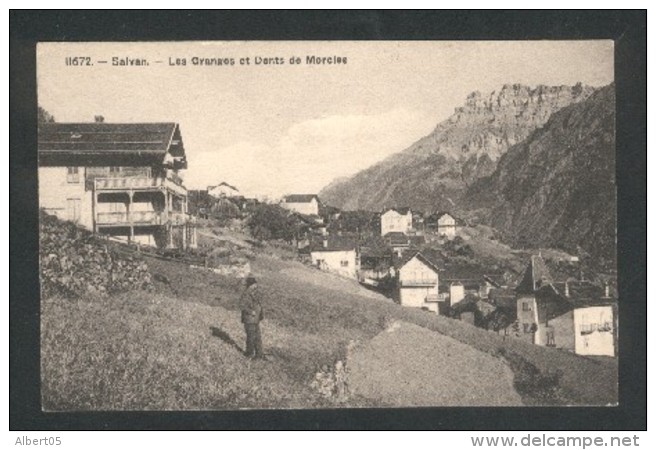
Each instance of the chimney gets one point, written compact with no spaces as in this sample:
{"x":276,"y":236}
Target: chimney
{"x":567,"y":289}
{"x":325,"y":242}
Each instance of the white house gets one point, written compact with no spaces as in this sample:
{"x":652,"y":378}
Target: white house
{"x":307,"y":204}
{"x":446,"y":225}
{"x":223,"y":190}
{"x":594,"y":330}
{"x":418,"y":283}
{"x":117,"y":179}
{"x":337,"y":256}
{"x":395,"y":220}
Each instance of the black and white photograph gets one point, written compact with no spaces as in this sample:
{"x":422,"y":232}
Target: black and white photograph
{"x":228,"y":225}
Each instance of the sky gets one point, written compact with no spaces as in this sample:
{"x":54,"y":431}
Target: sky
{"x":276,"y":129}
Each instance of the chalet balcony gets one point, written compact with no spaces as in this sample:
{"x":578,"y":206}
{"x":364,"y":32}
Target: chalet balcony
{"x":418,"y":283}
{"x":141,"y":218}
{"x":139,"y":183}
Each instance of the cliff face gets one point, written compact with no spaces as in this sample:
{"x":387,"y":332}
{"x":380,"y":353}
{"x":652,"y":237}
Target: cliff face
{"x":435,"y":171}
{"x":557,"y":188}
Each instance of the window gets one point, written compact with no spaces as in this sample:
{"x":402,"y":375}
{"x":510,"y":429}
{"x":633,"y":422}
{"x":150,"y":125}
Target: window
{"x":526,"y":306}
{"x":114,"y":170}
{"x":72,"y":175}
{"x":344,"y":263}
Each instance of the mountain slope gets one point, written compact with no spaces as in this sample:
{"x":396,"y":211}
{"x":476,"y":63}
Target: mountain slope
{"x":435,"y":171}
{"x":557,"y":188}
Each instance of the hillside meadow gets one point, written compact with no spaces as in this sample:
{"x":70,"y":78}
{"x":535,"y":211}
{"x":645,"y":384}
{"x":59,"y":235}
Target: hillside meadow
{"x":181,"y":346}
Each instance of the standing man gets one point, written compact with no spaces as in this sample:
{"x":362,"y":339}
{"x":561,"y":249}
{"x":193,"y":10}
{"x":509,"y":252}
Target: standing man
{"x":251,"y":315}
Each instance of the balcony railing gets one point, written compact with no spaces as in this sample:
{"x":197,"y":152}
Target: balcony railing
{"x":139,"y":183}
{"x":135,"y":217}
{"x":142,"y":218}
{"x":418,"y":282}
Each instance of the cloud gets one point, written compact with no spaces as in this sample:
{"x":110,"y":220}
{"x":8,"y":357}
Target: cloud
{"x":310,"y":154}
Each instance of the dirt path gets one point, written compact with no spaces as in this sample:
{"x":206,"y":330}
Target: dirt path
{"x":412,"y":366}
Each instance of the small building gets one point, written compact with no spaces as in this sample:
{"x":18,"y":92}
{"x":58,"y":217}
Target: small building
{"x":117,"y":179}
{"x":306,"y":204}
{"x":418,"y":282}
{"x":396,"y":220}
{"x":446,"y":225}
{"x":397,"y":241}
{"x":223,"y":190}
{"x":336,"y":255}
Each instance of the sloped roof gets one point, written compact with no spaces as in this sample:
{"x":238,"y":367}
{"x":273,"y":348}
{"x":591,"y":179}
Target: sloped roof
{"x":535,"y":276}
{"x":583,"y":293}
{"x":223,"y":183}
{"x":300,"y":198}
{"x":399,"y":210}
{"x":427,"y":256}
{"x":550,"y":303}
{"x":109,"y":143}
{"x":335,"y":243}
{"x":396,"y":238}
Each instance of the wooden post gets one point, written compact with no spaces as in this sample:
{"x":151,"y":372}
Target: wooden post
{"x":129,"y":210}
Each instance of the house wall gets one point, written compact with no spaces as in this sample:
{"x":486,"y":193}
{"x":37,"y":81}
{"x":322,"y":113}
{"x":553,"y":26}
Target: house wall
{"x":310,"y":208}
{"x":527,"y":317}
{"x":332,"y":261}
{"x":563,"y":330}
{"x":456,"y":293}
{"x":392,"y":221}
{"x":55,"y":191}
{"x":446,"y":226}
{"x":415,"y":296}
{"x":596,"y":342}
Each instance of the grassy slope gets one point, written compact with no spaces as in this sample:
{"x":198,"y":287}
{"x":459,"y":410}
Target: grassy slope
{"x":157,"y":351}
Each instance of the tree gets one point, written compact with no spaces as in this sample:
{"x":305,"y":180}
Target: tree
{"x":44,"y":116}
{"x":273,"y":222}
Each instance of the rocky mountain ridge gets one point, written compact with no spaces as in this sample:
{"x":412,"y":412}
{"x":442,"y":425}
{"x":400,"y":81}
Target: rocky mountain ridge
{"x":557,"y":187}
{"x":435,"y":172}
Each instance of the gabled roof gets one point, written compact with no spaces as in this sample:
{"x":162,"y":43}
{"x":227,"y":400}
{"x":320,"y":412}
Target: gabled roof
{"x":300,"y":198}
{"x":223,"y":183}
{"x":535,"y":276}
{"x":427,"y":256}
{"x":401,"y":210}
{"x":334,"y":244}
{"x":113,"y":144}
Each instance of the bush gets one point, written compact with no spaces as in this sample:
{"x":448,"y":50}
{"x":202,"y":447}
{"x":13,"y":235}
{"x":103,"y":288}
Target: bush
{"x":74,"y":262}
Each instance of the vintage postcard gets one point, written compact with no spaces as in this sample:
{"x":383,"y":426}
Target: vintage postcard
{"x":236,"y":225}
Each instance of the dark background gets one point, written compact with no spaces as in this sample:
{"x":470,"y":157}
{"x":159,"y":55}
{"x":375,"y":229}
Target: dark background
{"x":627,"y":28}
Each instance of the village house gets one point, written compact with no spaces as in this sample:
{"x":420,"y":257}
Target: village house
{"x":418,"y":282}
{"x":117,"y":179}
{"x":575,"y":315}
{"x":336,"y":255}
{"x":375,"y":264}
{"x":307,"y":204}
{"x":442,"y":223}
{"x":396,"y":220}
{"x":446,"y":225}
{"x":223,"y":190}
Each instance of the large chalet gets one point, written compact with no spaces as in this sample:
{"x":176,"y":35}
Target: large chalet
{"x":117,"y":179}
